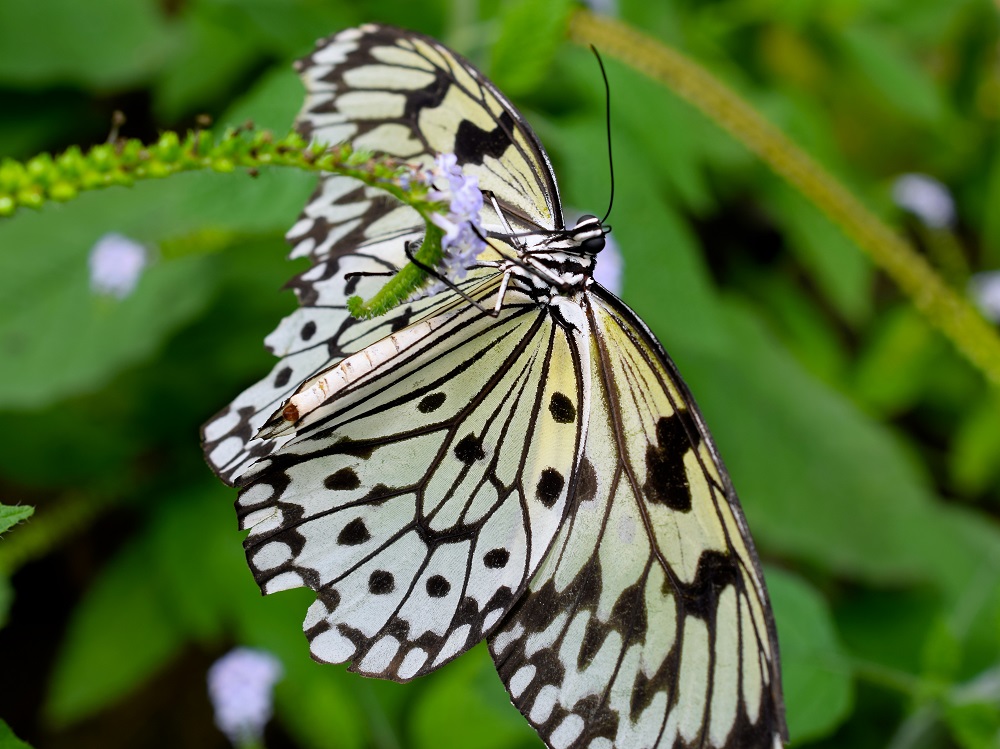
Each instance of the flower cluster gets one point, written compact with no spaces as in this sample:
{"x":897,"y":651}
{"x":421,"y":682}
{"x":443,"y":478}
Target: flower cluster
{"x":463,"y":232}
{"x":240,"y":685}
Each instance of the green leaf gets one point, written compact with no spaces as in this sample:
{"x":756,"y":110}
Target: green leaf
{"x":103,"y":45}
{"x":838,"y":268}
{"x":975,"y":725}
{"x":122,"y":631}
{"x":530,"y":34}
{"x":79,"y":340}
{"x":56,"y":337}
{"x":215,"y":55}
{"x":895,"y":362}
{"x":816,"y":674}
{"x":893,"y":75}
{"x":11,"y":516}
{"x":6,"y":600}
{"x":8,"y":740}
{"x":974,"y":459}
{"x":317,"y":702}
{"x":466,"y":705}
{"x":272,"y":103}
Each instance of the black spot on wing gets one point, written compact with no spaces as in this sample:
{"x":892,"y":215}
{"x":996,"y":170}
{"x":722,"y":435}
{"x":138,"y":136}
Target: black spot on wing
{"x":345,"y":478}
{"x":586,"y":481}
{"x":431,"y":403}
{"x":550,"y":484}
{"x":381,"y":582}
{"x":438,"y":586}
{"x":473,"y":144}
{"x":354,"y":533}
{"x":469,"y":449}
{"x":666,"y":480}
{"x":562,"y":408}
{"x":283,"y":377}
{"x":496,"y":558}
{"x":308,"y":330}
{"x":429,"y":97}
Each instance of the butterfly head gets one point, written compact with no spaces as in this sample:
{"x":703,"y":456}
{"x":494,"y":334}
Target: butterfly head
{"x":588,"y":235}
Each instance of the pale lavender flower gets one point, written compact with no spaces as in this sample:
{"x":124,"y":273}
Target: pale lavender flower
{"x":610,"y":267}
{"x":925,"y":198}
{"x":116,"y":263}
{"x":240,"y":686}
{"x":984,"y":288}
{"x":462,"y":241}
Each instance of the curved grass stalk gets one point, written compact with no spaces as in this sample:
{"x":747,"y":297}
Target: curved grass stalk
{"x":958,"y":320}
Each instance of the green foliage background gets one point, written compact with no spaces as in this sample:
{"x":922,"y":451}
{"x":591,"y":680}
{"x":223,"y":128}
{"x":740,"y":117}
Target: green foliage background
{"x":865,"y":450}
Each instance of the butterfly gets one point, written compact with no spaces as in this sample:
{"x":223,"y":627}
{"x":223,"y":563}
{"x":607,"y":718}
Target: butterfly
{"x":515,"y":458}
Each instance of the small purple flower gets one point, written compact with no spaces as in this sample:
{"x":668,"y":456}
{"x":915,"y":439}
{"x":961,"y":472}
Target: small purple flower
{"x":925,"y":198}
{"x":463,"y":233}
{"x":240,"y":686}
{"x":984,"y":288}
{"x":610,"y":267}
{"x":116,"y":263}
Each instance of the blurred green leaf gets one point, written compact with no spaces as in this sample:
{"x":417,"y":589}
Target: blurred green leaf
{"x":808,"y":333}
{"x":12,"y":515}
{"x":199,"y":561}
{"x":816,"y":674}
{"x":974,"y":459}
{"x":76,"y":340}
{"x":271,"y":104}
{"x":122,"y":631}
{"x":320,"y":707}
{"x":6,"y":600}
{"x":892,"y":74}
{"x":466,"y":705}
{"x":8,"y":740}
{"x":102,"y":45}
{"x":895,"y":362}
{"x":942,"y":652}
{"x":530,"y":34}
{"x":837,"y":267}
{"x":214,"y":56}
{"x":975,"y":725}
{"x":289,"y":27}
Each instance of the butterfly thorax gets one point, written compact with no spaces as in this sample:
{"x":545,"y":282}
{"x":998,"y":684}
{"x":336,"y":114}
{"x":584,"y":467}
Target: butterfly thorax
{"x":559,"y":263}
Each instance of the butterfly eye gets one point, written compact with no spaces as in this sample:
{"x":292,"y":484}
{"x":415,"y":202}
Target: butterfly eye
{"x":592,"y":245}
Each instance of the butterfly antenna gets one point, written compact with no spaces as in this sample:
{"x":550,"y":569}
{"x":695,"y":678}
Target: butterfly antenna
{"x":607,"y":118}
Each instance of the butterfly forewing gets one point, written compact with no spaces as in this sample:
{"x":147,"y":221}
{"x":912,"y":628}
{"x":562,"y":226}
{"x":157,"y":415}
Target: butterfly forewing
{"x":648,"y":623}
{"x":406,"y":95}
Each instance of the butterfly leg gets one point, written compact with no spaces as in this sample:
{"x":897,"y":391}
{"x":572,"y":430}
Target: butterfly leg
{"x":411,"y":256}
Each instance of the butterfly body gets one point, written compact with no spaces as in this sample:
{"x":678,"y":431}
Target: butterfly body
{"x":514,"y":459}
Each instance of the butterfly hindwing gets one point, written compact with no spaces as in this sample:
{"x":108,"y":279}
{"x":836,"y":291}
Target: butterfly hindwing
{"x":416,"y":501}
{"x":647,"y":625}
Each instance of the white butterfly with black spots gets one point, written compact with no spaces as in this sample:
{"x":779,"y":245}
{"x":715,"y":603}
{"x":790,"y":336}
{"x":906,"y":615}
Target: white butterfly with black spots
{"x":539,"y":477}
